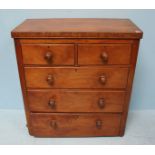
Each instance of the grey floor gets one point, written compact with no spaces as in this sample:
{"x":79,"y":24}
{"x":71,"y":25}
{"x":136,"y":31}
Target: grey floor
{"x":140,"y":130}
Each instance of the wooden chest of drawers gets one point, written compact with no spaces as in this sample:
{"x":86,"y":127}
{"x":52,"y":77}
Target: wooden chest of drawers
{"x":76,"y":74}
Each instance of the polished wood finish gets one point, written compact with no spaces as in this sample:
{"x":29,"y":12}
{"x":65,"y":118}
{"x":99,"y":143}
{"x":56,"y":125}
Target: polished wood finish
{"x":48,"y":54}
{"x":75,"y":100}
{"x":74,"y":124}
{"x":22,"y":78}
{"x":76,"y":75}
{"x":75,"y":41}
{"x":102,"y":54}
{"x":135,"y":48}
{"x":77,"y":28}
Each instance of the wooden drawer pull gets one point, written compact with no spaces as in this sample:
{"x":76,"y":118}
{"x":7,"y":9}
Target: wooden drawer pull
{"x":48,"y":57}
{"x":50,"y":79}
{"x":51,"y":103}
{"x":98,"y":124}
{"x":103,"y":79}
{"x":101,"y":103}
{"x":104,"y":57}
{"x":53,"y":124}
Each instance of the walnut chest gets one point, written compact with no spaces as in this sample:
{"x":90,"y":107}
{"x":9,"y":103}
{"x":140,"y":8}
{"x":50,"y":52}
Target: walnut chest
{"x":76,"y":74}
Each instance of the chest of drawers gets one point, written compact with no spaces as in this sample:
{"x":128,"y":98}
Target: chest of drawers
{"x":76,"y":74}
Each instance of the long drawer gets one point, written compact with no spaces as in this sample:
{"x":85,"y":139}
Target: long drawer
{"x":63,"y":100}
{"x":76,"y":77}
{"x":74,"y":124}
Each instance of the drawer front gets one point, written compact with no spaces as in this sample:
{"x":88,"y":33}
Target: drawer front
{"x":48,"y":54}
{"x":74,"y":124}
{"x":75,"y":100}
{"x":84,"y":77}
{"x":101,"y":54}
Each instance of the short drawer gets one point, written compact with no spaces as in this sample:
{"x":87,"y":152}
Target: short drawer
{"x":48,"y":54}
{"x":63,"y":100}
{"x":76,"y":77}
{"x":102,"y":54}
{"x":74,"y":124}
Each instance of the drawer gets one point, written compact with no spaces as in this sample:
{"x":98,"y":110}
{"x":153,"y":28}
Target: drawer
{"x":63,"y":100}
{"x":101,"y":54}
{"x":76,"y":77}
{"x":48,"y":54}
{"x":74,"y":124}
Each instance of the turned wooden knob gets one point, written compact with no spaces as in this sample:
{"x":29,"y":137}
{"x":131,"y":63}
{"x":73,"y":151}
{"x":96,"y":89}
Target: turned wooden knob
{"x":48,"y":57}
{"x":51,"y":103}
{"x":102,"y":79}
{"x":50,"y":79}
{"x":104,"y":57}
{"x":99,"y":124}
{"x":53,"y":124}
{"x":101,"y":103}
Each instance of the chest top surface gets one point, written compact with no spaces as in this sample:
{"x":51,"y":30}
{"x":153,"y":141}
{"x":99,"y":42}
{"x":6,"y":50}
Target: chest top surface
{"x":77,"y":28}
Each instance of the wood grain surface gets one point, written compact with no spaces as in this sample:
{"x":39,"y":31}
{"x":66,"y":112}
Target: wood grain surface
{"x":76,"y":77}
{"x":74,"y":124}
{"x":77,"y":28}
{"x":59,"y":54}
{"x":73,"y":100}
